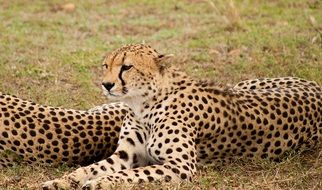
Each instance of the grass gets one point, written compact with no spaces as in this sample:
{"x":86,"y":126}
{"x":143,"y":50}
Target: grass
{"x":51,"y":54}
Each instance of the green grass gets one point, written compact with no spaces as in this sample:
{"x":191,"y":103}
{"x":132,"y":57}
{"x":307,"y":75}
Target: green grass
{"x":52,"y":56}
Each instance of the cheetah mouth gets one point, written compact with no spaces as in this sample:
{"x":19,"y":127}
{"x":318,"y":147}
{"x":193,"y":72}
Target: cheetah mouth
{"x":108,"y":93}
{"x":111,"y":94}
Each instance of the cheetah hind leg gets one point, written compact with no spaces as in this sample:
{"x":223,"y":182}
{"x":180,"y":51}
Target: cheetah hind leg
{"x":9,"y":158}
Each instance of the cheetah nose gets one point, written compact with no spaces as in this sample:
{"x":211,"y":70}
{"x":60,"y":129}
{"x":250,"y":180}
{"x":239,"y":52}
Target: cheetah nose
{"x":108,"y":86}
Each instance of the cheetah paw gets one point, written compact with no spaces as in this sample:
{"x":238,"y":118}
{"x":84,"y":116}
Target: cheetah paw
{"x":90,"y":185}
{"x":55,"y":185}
{"x":97,"y":184}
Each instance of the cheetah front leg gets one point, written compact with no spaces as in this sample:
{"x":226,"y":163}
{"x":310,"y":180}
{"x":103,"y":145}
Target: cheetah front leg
{"x":129,"y":154}
{"x":153,"y":173}
{"x":174,"y":151}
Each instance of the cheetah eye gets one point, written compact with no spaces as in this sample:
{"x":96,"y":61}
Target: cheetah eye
{"x":126,"y":67}
{"x":105,"y":66}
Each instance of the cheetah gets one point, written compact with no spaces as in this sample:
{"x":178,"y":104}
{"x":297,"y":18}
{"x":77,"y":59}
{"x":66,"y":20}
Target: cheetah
{"x":177,"y":123}
{"x":33,"y":133}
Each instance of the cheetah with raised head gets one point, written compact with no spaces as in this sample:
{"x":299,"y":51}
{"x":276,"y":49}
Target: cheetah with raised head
{"x":33,"y":133}
{"x":177,"y":122}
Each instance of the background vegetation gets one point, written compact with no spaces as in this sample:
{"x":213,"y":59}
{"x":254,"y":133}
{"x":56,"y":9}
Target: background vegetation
{"x":51,"y":52}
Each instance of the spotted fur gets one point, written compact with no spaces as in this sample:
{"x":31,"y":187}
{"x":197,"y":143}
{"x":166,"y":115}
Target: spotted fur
{"x":176,"y":122}
{"x":33,"y":133}
{"x":270,"y":83}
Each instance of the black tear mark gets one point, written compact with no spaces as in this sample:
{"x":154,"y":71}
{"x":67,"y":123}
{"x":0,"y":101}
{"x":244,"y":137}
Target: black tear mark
{"x":120,"y":77}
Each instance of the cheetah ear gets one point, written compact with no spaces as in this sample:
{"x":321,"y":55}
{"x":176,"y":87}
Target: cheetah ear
{"x":163,"y":61}
{"x":163,"y":57}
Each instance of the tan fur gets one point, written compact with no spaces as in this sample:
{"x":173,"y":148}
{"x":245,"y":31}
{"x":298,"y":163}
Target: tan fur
{"x":176,"y":123}
{"x":33,"y":133}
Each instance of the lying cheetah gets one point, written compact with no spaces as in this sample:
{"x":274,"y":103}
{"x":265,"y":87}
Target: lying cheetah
{"x":34,"y":133}
{"x":176,"y":123}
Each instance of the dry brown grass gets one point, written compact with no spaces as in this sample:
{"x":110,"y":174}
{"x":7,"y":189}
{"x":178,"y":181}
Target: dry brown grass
{"x":50,"y":52}
{"x":296,"y":171}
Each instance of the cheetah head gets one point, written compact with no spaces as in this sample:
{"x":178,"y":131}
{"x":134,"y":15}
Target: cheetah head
{"x":132,"y":72}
